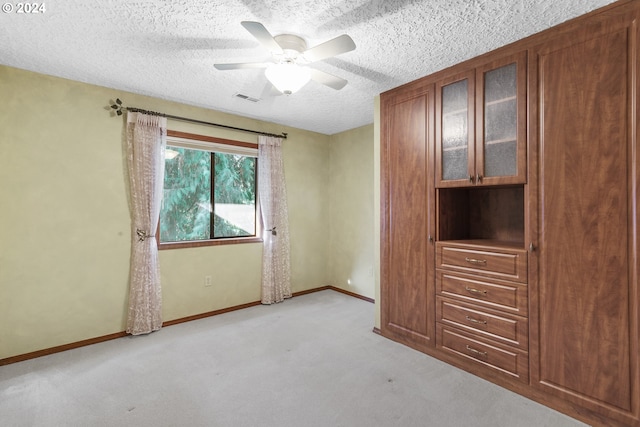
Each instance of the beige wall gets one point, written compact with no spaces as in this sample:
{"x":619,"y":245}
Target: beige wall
{"x":64,"y":218}
{"x":351,"y":243}
{"x":375,"y":226}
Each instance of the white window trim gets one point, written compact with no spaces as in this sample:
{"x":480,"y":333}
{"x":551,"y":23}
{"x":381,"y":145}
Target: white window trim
{"x":216,"y":147}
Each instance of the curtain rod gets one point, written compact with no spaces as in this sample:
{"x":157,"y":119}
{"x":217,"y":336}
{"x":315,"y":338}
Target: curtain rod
{"x":118,"y":107}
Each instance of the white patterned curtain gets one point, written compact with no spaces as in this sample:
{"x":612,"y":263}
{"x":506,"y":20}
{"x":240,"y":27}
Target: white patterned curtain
{"x":276,"y":270}
{"x":146,"y":141}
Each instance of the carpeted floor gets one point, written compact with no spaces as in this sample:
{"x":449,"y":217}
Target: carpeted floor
{"x":310,"y":361}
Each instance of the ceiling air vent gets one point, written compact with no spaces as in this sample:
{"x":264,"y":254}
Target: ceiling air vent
{"x":245,"y":97}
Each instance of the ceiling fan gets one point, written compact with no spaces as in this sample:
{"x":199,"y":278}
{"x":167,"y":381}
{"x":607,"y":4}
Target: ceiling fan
{"x":288,"y":71}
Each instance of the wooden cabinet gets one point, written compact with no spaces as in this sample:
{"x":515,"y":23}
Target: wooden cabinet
{"x":504,"y":360}
{"x":407,"y":312}
{"x":528,"y":276}
{"x":478,"y":320}
{"x":585,"y":212}
{"x":481,"y":125}
{"x":509,"y":297}
{"x":492,"y":259}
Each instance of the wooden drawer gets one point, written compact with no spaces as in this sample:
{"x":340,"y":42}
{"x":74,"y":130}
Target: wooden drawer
{"x":498,"y":294}
{"x":509,"y":361}
{"x":498,"y":262}
{"x":502,"y":327}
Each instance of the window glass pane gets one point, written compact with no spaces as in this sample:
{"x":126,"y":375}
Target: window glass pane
{"x":186,"y":206}
{"x":235,"y":195}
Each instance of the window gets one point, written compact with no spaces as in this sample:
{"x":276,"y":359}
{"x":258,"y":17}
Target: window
{"x":209,"y":192}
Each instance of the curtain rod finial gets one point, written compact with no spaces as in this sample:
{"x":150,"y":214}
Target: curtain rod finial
{"x":117,"y":106}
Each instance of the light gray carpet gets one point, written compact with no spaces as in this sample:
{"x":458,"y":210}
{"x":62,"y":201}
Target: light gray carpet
{"x":310,"y":361}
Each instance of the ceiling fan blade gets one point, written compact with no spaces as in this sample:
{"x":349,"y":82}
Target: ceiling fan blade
{"x":258,"y":31}
{"x":333,"y":47}
{"x":241,"y":65}
{"x":327,"y":79}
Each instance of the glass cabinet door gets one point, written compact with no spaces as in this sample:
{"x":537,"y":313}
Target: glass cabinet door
{"x":481,"y":120}
{"x":455,"y":116}
{"x":500,"y":135}
{"x":500,"y":112}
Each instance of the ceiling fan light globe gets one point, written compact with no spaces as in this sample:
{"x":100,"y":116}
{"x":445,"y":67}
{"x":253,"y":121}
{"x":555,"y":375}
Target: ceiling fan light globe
{"x":288,"y":78}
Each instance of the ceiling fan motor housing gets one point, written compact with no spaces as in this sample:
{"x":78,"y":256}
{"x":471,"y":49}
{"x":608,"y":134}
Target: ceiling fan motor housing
{"x":293,"y":46}
{"x":289,"y":41}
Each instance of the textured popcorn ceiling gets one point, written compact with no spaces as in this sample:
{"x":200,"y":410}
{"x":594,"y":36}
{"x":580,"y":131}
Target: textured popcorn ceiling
{"x":167,"y":49}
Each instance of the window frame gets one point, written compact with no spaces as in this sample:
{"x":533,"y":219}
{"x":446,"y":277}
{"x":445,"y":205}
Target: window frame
{"x":218,"y":241}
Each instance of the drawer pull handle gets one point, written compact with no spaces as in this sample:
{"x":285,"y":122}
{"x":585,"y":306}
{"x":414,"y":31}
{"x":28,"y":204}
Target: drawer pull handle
{"x":476,"y":352}
{"x":476,"y":291}
{"x":472,"y":320}
{"x":476,"y":261}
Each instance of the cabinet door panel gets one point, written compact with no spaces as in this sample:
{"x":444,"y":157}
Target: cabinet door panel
{"x":455,"y":130}
{"x":585,"y":274}
{"x":501,"y":122}
{"x":408,"y":288}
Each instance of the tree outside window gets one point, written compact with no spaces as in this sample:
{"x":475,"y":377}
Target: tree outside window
{"x":208,"y":195}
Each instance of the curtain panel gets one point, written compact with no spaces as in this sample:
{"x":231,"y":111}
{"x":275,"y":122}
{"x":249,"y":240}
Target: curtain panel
{"x":146,"y":141}
{"x":276,"y":269}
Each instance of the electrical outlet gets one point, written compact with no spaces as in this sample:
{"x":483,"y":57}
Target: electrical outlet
{"x":207,"y":281}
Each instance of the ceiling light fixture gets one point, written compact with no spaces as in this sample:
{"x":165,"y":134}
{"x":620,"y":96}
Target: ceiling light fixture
{"x":287,"y":77}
